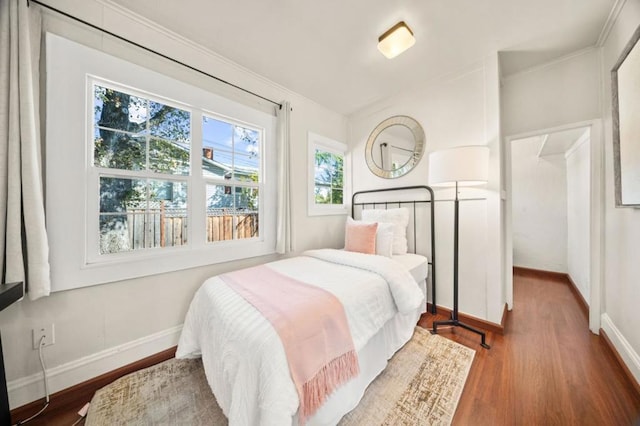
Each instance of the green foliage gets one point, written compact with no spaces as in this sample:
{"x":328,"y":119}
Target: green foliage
{"x":136,"y":134}
{"x":329,"y":178}
{"x":126,"y":127}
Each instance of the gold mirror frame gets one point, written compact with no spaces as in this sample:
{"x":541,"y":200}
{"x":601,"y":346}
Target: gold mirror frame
{"x":418,"y":151}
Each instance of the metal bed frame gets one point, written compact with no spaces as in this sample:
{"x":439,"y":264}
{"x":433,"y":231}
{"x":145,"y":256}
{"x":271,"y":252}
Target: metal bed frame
{"x":417,"y":190}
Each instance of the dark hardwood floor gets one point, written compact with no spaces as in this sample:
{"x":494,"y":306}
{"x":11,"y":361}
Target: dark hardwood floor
{"x":547,"y":368}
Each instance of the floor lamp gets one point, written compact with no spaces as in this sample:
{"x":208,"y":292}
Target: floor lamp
{"x":464,"y":165}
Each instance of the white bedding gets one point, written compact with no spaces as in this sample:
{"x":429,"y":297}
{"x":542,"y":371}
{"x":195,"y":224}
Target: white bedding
{"x":416,"y":264}
{"x":242,"y":354}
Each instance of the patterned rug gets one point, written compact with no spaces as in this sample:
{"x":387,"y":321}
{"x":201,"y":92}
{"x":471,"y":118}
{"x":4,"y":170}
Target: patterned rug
{"x":421,"y":385}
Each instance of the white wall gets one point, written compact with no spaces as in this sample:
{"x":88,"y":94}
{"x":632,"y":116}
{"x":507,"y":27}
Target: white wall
{"x":459,"y":110}
{"x":579,"y":215}
{"x":621,"y":315}
{"x":562,"y":92}
{"x":103,"y":327}
{"x":539,"y":206}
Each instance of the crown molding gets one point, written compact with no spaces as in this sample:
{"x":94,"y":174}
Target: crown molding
{"x":609,"y":23}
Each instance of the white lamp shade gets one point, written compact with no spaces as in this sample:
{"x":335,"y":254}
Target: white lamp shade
{"x":464,"y":165}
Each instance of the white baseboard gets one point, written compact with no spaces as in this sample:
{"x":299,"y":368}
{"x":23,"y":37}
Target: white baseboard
{"x":31,"y":388}
{"x":628,"y":355}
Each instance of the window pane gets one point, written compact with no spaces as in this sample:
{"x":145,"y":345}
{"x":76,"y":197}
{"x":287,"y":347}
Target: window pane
{"x":336,"y":196}
{"x":232,"y":212}
{"x":171,"y":194}
{"x":219,"y":197}
{"x":136,"y":214}
{"x":167,"y":215}
{"x":114,"y":234}
{"x":230,"y":151}
{"x":117,"y":150}
{"x":118,"y":110}
{"x":246,"y":199}
{"x":219,"y":213}
{"x":246,"y":168}
{"x":337,"y":172}
{"x":222,"y":162}
{"x":168,"y":157}
{"x":321,"y":173}
{"x":246,"y":222}
{"x":122,"y":207}
{"x":323,"y":194}
{"x":118,"y":194}
{"x":169,"y":123}
{"x":217,"y":147}
{"x":246,"y":151}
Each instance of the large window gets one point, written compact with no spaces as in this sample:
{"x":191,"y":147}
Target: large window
{"x":147,"y":174}
{"x":139,"y":144}
{"x":326,"y":175}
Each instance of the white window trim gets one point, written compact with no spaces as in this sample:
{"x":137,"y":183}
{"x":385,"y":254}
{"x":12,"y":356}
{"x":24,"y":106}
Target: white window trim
{"x":333,"y":146}
{"x":68,"y":66}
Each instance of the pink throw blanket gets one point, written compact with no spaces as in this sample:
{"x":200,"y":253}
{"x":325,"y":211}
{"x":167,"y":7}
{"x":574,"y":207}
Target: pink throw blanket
{"x":312,"y":325}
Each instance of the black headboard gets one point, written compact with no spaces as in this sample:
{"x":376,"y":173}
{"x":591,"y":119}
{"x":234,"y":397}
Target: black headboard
{"x":411,"y":197}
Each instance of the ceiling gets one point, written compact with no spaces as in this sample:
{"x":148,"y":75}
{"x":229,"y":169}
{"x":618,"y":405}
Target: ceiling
{"x":326,"y":50}
{"x":559,"y":142}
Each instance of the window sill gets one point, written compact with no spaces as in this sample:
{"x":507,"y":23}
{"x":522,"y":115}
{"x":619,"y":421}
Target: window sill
{"x":118,"y":269}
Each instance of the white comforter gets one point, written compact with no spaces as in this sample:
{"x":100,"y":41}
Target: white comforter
{"x":243,"y":356}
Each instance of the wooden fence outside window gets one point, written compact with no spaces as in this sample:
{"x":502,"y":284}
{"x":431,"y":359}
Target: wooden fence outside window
{"x":166,"y":227}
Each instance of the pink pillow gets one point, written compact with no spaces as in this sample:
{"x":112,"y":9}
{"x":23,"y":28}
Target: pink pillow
{"x":360,"y":236}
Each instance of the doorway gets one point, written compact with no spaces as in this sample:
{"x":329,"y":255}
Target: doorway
{"x":553,"y":209}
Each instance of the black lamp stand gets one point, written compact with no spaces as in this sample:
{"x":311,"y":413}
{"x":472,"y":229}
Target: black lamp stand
{"x":454,"y":314}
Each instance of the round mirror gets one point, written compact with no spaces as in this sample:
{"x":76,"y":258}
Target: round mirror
{"x":394,"y":147}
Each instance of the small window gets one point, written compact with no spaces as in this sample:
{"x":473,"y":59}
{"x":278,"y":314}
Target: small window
{"x":329,"y":168}
{"x":326,"y":176}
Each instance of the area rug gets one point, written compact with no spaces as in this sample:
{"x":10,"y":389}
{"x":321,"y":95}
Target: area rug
{"x":421,"y":385}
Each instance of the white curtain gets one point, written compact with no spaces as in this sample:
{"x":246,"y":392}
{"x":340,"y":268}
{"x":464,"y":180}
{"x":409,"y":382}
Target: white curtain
{"x":24,"y":249}
{"x":283,"y":227}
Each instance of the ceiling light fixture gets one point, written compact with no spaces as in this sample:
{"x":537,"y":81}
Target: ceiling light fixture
{"x":396,"y":40}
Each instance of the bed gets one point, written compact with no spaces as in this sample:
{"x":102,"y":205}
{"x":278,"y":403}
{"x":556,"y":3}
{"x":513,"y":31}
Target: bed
{"x":383,"y":298}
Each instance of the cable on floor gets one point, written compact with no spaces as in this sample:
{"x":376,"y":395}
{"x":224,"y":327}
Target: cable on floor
{"x":46,"y":385}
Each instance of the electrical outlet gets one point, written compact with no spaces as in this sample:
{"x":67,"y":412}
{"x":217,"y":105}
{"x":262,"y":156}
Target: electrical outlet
{"x":49,"y":333}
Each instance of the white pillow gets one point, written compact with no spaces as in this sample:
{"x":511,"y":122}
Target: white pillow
{"x":399,"y":217}
{"x":384,"y":239}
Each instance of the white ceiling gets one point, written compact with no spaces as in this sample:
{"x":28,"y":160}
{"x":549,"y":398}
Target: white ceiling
{"x":559,"y":142}
{"x":326,"y":49}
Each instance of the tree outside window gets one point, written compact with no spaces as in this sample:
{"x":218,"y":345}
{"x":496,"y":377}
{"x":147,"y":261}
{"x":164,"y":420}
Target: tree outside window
{"x":329,"y":168}
{"x":144,"y":139}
